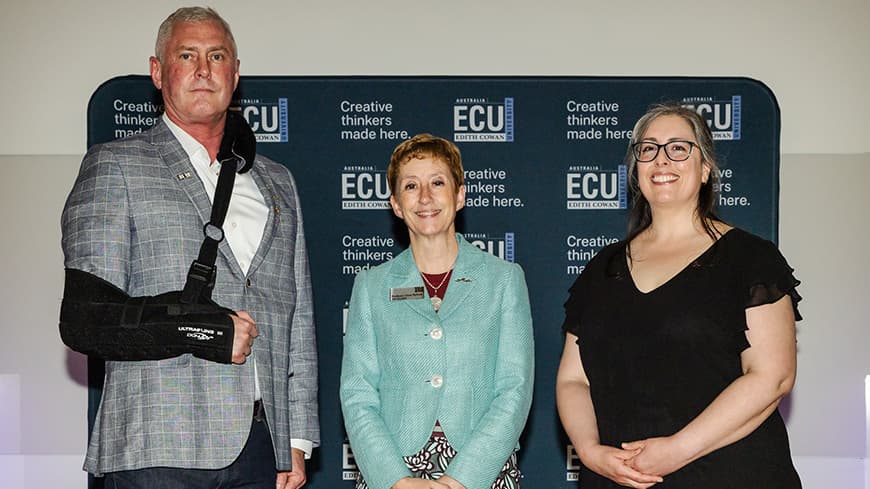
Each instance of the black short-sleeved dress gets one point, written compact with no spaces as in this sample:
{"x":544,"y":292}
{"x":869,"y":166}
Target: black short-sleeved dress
{"x":656,"y":360}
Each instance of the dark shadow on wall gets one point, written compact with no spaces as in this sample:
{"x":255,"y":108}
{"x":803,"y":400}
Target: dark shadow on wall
{"x":87,"y":372}
{"x":77,"y":367}
{"x":785,"y":408}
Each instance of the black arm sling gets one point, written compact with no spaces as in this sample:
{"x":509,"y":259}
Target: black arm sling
{"x":97,"y":318}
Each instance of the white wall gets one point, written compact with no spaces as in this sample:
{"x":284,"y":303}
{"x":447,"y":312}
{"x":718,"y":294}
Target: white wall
{"x":813,"y":56}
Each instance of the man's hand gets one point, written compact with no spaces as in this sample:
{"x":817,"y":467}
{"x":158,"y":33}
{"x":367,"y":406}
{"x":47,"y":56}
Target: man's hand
{"x":244,"y":332}
{"x":293,"y":479}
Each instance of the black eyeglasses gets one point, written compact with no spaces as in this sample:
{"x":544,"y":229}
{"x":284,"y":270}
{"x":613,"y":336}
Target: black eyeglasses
{"x":646,"y":151}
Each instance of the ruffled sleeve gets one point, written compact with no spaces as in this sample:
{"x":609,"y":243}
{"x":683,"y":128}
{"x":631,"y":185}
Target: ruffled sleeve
{"x":605,"y":264}
{"x":768,"y":277}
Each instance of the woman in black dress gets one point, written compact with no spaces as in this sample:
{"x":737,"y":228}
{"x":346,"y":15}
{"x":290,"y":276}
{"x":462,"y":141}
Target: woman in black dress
{"x":686,"y":333}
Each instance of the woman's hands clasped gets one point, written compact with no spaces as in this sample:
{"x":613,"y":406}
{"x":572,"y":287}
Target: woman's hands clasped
{"x":661,"y":455}
{"x":445,"y":482}
{"x":617,"y":465}
{"x":417,"y":483}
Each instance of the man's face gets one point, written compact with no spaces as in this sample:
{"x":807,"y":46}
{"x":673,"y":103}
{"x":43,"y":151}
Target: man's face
{"x":198,"y":73}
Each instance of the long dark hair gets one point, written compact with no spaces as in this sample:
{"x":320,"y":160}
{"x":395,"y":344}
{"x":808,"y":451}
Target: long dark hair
{"x":640,"y":215}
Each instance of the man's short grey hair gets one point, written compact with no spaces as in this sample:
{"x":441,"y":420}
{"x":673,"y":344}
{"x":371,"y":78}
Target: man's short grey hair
{"x":190,"y":14}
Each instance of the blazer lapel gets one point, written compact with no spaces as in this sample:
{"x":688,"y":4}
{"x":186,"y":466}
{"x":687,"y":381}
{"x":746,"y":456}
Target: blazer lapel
{"x":404,"y":274}
{"x":182,"y":170}
{"x":465,"y":277}
{"x":264,"y":183}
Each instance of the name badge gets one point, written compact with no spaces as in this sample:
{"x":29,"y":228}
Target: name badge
{"x":406,"y":293}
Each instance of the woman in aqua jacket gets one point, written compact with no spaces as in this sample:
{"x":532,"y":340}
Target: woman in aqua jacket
{"x":438,"y":362}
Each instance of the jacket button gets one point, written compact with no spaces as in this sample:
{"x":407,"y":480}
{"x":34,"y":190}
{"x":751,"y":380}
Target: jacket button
{"x":248,"y":282}
{"x":437,"y":381}
{"x":436,"y":333}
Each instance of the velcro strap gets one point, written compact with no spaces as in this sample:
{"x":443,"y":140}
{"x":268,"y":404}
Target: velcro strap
{"x":131,"y":316}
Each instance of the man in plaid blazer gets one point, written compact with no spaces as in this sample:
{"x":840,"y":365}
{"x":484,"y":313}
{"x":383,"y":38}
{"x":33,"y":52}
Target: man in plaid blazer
{"x":135,"y":218}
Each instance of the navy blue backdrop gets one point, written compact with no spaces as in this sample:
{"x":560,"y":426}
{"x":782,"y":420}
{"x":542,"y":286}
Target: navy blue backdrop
{"x":546,"y":189}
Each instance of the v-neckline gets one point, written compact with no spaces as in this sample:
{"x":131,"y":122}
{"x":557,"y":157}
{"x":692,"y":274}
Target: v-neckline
{"x":673,"y":277}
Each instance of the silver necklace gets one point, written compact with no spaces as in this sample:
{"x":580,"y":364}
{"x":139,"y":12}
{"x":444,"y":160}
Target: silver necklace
{"x":436,"y":301}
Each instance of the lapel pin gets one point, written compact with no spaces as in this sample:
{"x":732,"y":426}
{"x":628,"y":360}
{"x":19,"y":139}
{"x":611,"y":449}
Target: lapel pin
{"x":183,"y":176}
{"x":463,"y":279}
{"x":275,"y":200}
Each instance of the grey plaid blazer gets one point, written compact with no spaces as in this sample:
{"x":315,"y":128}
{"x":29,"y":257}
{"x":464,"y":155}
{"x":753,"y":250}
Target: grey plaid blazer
{"x":134,"y":218}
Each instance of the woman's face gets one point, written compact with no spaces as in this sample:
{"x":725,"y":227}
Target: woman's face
{"x":426,"y":197}
{"x":665,"y":182}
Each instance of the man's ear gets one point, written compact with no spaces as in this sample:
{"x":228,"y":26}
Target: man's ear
{"x":156,"y":72}
{"x":236,"y":78}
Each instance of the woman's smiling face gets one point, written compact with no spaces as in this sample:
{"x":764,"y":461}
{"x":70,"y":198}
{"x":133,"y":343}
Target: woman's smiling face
{"x":426,"y":197}
{"x":663,"y":181}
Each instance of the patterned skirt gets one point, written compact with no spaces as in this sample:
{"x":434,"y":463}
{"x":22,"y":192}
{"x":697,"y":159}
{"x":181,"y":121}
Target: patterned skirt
{"x":431,"y":462}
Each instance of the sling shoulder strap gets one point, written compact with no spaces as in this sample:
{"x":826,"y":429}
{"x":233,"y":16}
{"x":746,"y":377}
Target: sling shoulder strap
{"x":236,"y":154}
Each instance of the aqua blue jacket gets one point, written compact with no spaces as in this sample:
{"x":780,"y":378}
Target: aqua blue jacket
{"x":470,"y":366}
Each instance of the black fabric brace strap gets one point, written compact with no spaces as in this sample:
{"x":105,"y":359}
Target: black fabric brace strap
{"x":97,"y":318}
{"x":202,"y":273}
{"x":236,"y":154}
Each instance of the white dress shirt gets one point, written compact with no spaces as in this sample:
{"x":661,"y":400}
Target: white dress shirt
{"x":243,"y":226}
